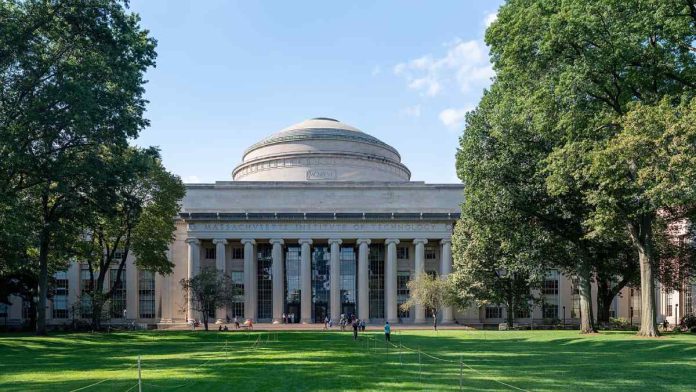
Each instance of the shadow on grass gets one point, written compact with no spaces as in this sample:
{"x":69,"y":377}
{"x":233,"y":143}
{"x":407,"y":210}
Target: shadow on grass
{"x":313,"y":361}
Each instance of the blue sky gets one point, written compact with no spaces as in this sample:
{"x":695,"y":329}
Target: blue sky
{"x":230,"y":73}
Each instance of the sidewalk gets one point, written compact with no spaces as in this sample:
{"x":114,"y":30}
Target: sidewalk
{"x":312,"y":327}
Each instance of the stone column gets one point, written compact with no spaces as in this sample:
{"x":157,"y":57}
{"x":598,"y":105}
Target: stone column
{"x":446,"y":269}
{"x":250,"y":272}
{"x":363,"y":280}
{"x":392,"y":314}
{"x":419,"y":269}
{"x":335,"y":280}
{"x":193,"y":265}
{"x":278,"y":281}
{"x":306,"y":281}
{"x":221,"y":313}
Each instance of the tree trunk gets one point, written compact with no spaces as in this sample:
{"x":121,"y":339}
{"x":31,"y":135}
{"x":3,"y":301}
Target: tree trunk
{"x":44,"y":243}
{"x":585,"y":291}
{"x":641,"y":234}
{"x":604,"y":298}
{"x":510,"y":312}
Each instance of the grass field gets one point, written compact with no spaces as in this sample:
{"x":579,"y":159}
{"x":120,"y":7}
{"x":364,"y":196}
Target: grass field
{"x":331,"y":361}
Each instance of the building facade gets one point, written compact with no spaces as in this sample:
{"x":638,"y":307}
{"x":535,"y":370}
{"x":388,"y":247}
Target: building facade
{"x":320,"y":219}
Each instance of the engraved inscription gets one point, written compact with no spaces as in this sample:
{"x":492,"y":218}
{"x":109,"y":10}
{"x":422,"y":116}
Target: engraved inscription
{"x":321,"y":174}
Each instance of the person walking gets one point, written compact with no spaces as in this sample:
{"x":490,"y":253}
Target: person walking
{"x":355,"y":329}
{"x":285,"y":319}
{"x":387,"y":332}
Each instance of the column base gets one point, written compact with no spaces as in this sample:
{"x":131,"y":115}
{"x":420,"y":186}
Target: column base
{"x":219,"y":321}
{"x":306,"y":321}
{"x":393,"y":321}
{"x":419,"y":321}
{"x":277,"y":321}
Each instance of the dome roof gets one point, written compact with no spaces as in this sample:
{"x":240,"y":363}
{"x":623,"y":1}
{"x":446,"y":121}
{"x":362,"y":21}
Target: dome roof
{"x":321,"y":149}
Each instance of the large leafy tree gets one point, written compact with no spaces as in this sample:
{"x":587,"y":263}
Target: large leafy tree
{"x":140,"y":220}
{"x":622,"y":74}
{"x":71,"y":80}
{"x":431,"y":292}
{"x":209,"y":290}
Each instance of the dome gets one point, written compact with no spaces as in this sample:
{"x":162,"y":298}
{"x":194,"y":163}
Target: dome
{"x":322,"y":149}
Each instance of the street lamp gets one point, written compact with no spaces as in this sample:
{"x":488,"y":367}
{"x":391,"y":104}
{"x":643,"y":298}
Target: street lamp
{"x":676,"y":315}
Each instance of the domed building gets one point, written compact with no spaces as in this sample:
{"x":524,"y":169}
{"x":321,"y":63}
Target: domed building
{"x":320,"y":220}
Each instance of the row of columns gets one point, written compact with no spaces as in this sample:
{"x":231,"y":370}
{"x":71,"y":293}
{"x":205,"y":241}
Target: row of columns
{"x":278,"y":285}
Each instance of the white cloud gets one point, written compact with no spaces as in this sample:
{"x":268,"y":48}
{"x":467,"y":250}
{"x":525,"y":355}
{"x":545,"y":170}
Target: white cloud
{"x":454,"y":118}
{"x":465,"y":65}
{"x":490,"y":18}
{"x":411,"y":111}
{"x":191,"y":179}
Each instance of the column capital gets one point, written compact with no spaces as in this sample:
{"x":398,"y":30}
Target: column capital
{"x":420,"y":241}
{"x":335,"y":241}
{"x":391,"y":241}
{"x":248,"y":241}
{"x":364,"y":241}
{"x":446,"y":241}
{"x":193,"y":241}
{"x":278,"y":241}
{"x":219,"y":241}
{"x":303,"y":241}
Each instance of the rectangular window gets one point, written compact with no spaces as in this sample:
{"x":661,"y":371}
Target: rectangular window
{"x":550,"y":311}
{"x":264,"y":282}
{"x":146,"y":294}
{"x":550,"y":286}
{"x":494,"y":312}
{"x":376,"y":280}
{"x":522,"y":313}
{"x":349,"y":269}
{"x":4,"y":308}
{"x":118,"y":299}
{"x":85,"y":298}
{"x":210,"y":253}
{"x":60,"y":296}
{"x":688,"y":299}
{"x":118,"y":255}
{"x":321,"y":257}
{"x":292,"y":282}
{"x":402,"y":252}
{"x":26,"y":310}
{"x":237,"y":305}
{"x":402,"y":292}
{"x":237,"y":253}
{"x":430,"y":252}
{"x":668,"y":304}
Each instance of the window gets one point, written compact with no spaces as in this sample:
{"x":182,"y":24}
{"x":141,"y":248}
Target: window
{"x":118,"y":255}
{"x":26,"y":310}
{"x":3,"y":309}
{"x":264,"y":282}
{"x":494,"y":312}
{"x":85,"y":298}
{"x":688,"y":299}
{"x":430,"y":253}
{"x":376,"y":280}
{"x":237,"y":253}
{"x":118,"y":299}
{"x":349,"y":269}
{"x":402,"y":292}
{"x":550,"y":311}
{"x":292,"y":282}
{"x":60,"y":297}
{"x":522,"y":313}
{"x":146,"y":291}
{"x":237,"y":305}
{"x":550,"y":287}
{"x":402,"y":252}
{"x":321,"y":257}
{"x":668,"y":304}
{"x":210,"y":253}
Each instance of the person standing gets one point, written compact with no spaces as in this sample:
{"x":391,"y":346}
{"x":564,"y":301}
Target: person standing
{"x":362,"y":325}
{"x":387,"y":332}
{"x":355,"y":329}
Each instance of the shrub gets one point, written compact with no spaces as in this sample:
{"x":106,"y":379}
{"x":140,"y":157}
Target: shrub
{"x":688,"y":322}
{"x":619,"y":323}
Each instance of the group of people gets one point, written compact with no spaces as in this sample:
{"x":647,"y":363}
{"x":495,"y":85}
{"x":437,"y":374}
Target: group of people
{"x":288,"y":318}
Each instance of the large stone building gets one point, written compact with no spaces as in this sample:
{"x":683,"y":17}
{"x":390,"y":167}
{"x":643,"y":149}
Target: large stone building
{"x":320,"y":219}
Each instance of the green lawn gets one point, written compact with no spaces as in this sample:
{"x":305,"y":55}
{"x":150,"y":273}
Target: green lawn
{"x":330,"y":361}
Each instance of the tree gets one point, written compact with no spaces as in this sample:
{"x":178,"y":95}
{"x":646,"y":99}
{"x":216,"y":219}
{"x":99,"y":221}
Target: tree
{"x":620,"y":75}
{"x":209,"y":290}
{"x":71,"y":74}
{"x":140,"y":220}
{"x":431,"y":292}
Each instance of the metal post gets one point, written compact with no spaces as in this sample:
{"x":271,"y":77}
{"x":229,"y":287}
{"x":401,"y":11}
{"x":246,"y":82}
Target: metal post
{"x":401,"y":349}
{"x":564,"y":317}
{"x":420,"y":367}
{"x":140,"y":381}
{"x":631,"y":316}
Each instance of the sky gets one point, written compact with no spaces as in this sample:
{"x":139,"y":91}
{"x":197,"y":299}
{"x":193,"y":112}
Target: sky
{"x":230,"y":73}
